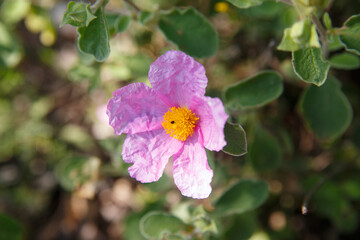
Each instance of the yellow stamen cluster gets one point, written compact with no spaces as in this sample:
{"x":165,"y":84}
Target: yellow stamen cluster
{"x":179,"y":122}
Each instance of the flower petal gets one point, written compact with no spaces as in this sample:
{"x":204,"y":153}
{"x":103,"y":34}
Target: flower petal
{"x":135,"y":108}
{"x":177,"y":77}
{"x":212,"y":119}
{"x":150,"y":152}
{"x":192,"y":174}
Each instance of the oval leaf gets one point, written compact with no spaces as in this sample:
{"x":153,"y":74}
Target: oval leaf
{"x":326,"y":110}
{"x":77,"y":14}
{"x":190,"y":31}
{"x":245,"y":3}
{"x":117,"y":23}
{"x":235,"y":137}
{"x":243,"y":227}
{"x":131,"y":227}
{"x":157,"y":224}
{"x":94,"y":39}
{"x":350,"y":34}
{"x":244,"y":196}
{"x":9,"y":228}
{"x":265,"y":152}
{"x":310,"y":65}
{"x":345,"y":60}
{"x":255,"y":91}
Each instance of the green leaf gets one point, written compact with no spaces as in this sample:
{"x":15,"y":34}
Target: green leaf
{"x":327,"y":21}
{"x":265,"y":151}
{"x":94,"y":39}
{"x":9,"y":228}
{"x":300,"y":31}
{"x":190,"y":31}
{"x":255,"y":91}
{"x":302,"y":34}
{"x":117,"y":23}
{"x":345,"y":61}
{"x":334,"y":42}
{"x":131,"y":227}
{"x":243,"y":227}
{"x":235,"y":137}
{"x":350,"y":34}
{"x":157,"y":225}
{"x":287,"y":43}
{"x":245,"y":3}
{"x":310,"y":66}
{"x":77,"y":14}
{"x":244,"y":196}
{"x":326,"y":109}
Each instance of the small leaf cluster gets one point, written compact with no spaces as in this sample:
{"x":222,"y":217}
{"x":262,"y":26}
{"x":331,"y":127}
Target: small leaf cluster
{"x":95,"y":27}
{"x":310,"y":42}
{"x":198,"y":223}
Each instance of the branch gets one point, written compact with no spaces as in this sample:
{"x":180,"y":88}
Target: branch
{"x":322,"y":34}
{"x":304,"y":207}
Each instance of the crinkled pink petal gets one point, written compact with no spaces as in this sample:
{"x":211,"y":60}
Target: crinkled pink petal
{"x":192,"y":174}
{"x":177,"y":77}
{"x":135,"y":108}
{"x":149,"y":152}
{"x":212,"y":119}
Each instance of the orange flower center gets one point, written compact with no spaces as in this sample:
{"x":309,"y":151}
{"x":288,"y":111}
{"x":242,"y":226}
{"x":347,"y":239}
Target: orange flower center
{"x":179,"y":122}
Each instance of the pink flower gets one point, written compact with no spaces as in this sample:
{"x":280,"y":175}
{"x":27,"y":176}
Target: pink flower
{"x":171,"y":119}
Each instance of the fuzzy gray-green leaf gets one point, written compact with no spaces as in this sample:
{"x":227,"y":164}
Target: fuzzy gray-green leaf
{"x":244,"y":196}
{"x":326,"y":109}
{"x":94,"y":39}
{"x":350,"y":34}
{"x":310,"y":65}
{"x":77,"y":14}
{"x":190,"y":31}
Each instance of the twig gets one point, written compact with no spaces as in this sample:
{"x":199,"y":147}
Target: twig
{"x":322,"y":34}
{"x":304,"y":207}
{"x":133,"y":5}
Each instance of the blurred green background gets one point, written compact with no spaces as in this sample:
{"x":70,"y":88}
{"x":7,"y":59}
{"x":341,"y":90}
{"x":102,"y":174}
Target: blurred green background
{"x":61,"y":173}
